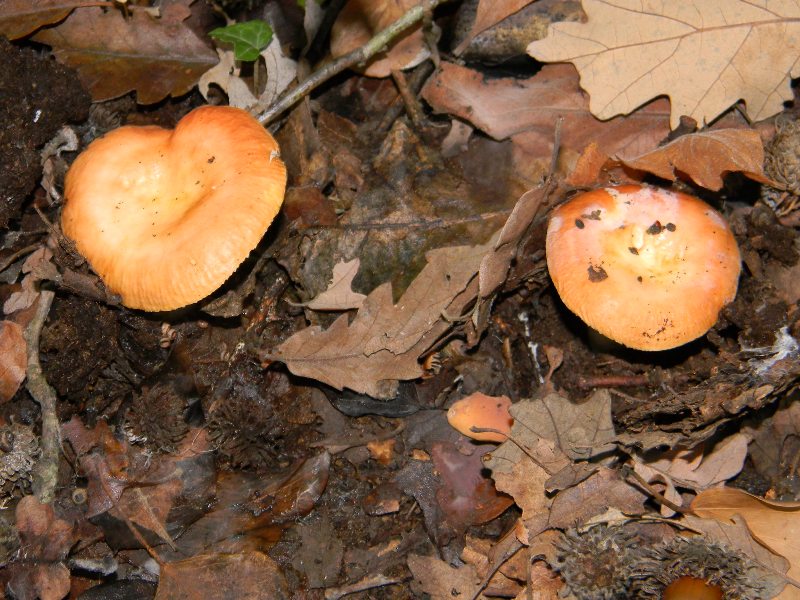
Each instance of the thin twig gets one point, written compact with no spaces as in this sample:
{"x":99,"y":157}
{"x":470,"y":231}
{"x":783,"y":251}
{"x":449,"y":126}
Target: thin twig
{"x":359,"y":56}
{"x":45,"y":475}
{"x":413,"y":108}
{"x":653,"y":491}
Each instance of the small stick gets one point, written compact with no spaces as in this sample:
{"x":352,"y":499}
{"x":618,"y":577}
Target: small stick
{"x":613,"y":381}
{"x":653,"y":491}
{"x":413,"y":109}
{"x":358,"y":56}
{"x":45,"y":474}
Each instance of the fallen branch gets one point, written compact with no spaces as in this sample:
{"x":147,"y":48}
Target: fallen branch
{"x":374,"y":46}
{"x":45,"y":474}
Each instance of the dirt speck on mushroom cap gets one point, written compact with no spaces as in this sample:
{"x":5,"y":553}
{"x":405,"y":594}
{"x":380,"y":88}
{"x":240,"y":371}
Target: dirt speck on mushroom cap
{"x":670,"y":264}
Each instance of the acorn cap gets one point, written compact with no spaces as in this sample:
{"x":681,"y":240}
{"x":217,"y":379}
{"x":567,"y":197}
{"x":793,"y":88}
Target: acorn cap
{"x":646,"y":267}
{"x":164,"y":217}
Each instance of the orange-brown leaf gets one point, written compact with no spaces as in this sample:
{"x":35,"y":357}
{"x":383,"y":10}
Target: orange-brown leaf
{"x":776,"y":525}
{"x":114,"y":55}
{"x":18,"y":18}
{"x":706,"y":157}
{"x":361,"y":19}
{"x":13,"y":359}
{"x":527,"y":110}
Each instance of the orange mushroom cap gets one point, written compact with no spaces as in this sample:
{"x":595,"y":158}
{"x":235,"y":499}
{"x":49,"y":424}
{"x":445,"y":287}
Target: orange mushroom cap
{"x":483,"y":412}
{"x":646,"y":267}
{"x":164,"y":217}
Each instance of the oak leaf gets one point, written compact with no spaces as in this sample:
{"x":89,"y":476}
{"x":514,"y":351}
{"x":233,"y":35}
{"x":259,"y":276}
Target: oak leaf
{"x":776,"y":525}
{"x":340,"y":294}
{"x":526,"y":110}
{"x":706,"y":156}
{"x":19,"y":18}
{"x":704,"y":54}
{"x":114,"y":55}
{"x":384,"y":341}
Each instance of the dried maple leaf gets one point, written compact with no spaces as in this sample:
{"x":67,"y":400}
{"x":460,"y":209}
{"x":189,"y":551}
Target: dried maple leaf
{"x":527,"y":110}
{"x":18,"y":18}
{"x":706,"y":156}
{"x":114,"y":55}
{"x":704,"y":54}
{"x":384,"y":341}
{"x":776,"y":525}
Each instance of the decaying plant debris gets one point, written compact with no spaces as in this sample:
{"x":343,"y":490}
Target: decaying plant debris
{"x":287,"y":436}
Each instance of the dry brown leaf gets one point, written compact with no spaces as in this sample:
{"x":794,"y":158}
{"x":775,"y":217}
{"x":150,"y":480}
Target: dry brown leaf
{"x":769,"y":450}
{"x":581,"y":431}
{"x":527,"y":111}
{"x":241,"y":576}
{"x":706,"y":157}
{"x":695,"y":469}
{"x":13,"y":359}
{"x":705,"y":55}
{"x":18,"y":18}
{"x":385,"y":340}
{"x":443,"y":582}
{"x":490,"y":12}
{"x":362,"y":19}
{"x":340,"y":294}
{"x":776,"y":525}
{"x":114,"y":55}
{"x":593,"y":496}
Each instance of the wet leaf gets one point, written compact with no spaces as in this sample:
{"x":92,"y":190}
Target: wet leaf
{"x":241,"y":576}
{"x":706,"y":157}
{"x":156,"y":57}
{"x":248,"y":39}
{"x":704,"y":55}
{"x":13,"y":359}
{"x":467,"y":497}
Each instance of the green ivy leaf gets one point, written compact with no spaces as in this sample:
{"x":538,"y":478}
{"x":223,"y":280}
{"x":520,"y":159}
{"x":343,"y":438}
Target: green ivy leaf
{"x":248,"y":39}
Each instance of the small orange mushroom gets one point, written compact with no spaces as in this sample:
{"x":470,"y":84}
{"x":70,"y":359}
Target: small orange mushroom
{"x":646,"y":267}
{"x":482,"y":412}
{"x":164,"y":217}
{"x":691,"y":588}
